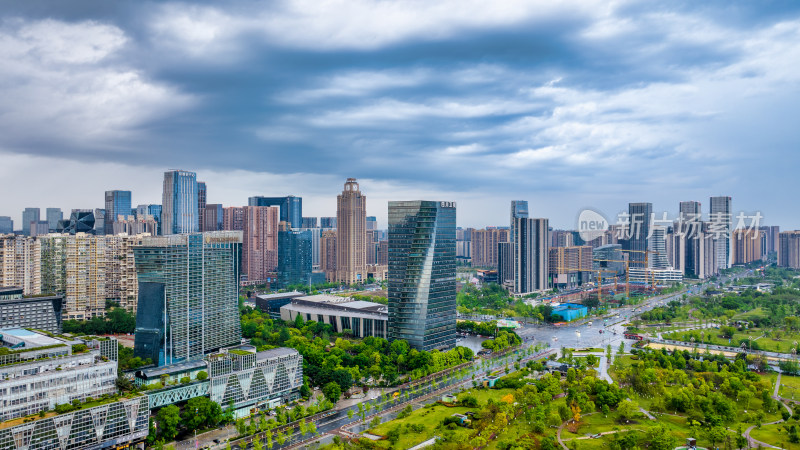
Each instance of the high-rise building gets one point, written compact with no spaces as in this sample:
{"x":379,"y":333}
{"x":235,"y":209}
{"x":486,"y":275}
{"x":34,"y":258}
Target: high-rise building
{"x":771,"y":236}
{"x":99,"y":221}
{"x":685,"y":236}
{"x":54,"y":215}
{"x":372,"y":223}
{"x":327,"y":254}
{"x":484,"y":246}
{"x":519,"y":209}
{"x":6,"y":225}
{"x":80,"y":221}
{"x":351,"y":218}
{"x":79,"y":262}
{"x":789,"y":249}
{"x":294,"y":256}
{"x":29,"y":215}
{"x":657,"y":244}
{"x":118,"y":203}
{"x":291,"y":208}
{"x":39,"y":312}
{"x":721,"y":219}
{"x":212,"y":219}
{"x":746,"y":245}
{"x":371,"y":247}
{"x":150,"y":210}
{"x":422,"y":273}
{"x":505,"y":263}
{"x":309,"y":222}
{"x":316,"y":239}
{"x":638,"y":231}
{"x":20,"y":264}
{"x":531,"y":257}
{"x":570,"y":266}
{"x":383,"y":253}
{"x":179,"y":203}
{"x":201,"y":195}
{"x":260,"y":246}
{"x":562,"y":238}
{"x":139,"y":224}
{"x":121,"y":282}
{"x":188,"y":295}
{"x":233,"y":218}
{"x":327,"y":222}
{"x":39,"y":228}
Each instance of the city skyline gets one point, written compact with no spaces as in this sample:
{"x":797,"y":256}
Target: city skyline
{"x":500,"y":101}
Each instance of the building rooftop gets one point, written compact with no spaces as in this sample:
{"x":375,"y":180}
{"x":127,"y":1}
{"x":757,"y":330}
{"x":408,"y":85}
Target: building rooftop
{"x":31,"y":339}
{"x":275,"y":353}
{"x":186,"y":366}
{"x":281,"y":295}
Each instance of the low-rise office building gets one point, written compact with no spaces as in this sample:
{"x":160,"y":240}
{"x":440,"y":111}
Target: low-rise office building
{"x":31,"y":385}
{"x":342,"y":313}
{"x":272,"y":303}
{"x":41,"y":313}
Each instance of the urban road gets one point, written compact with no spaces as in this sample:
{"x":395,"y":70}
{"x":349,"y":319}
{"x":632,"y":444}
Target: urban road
{"x":581,"y":334}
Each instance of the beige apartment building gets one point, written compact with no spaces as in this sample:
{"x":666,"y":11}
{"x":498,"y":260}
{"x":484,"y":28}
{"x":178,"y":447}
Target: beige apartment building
{"x":20,"y":263}
{"x":484,"y":246}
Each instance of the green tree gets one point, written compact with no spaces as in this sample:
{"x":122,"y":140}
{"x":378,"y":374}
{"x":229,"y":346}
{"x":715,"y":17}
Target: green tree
{"x":659,"y":438}
{"x":168,"y":419}
{"x":202,"y":375}
{"x":332,"y":391}
{"x":257,"y":444}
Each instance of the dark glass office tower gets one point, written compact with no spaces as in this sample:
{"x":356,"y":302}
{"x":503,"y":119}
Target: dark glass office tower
{"x":179,"y":203}
{"x":291,"y":208}
{"x":188,"y":295}
{"x":294,"y":257}
{"x":638,"y":231}
{"x":118,"y":203}
{"x":422,"y":273}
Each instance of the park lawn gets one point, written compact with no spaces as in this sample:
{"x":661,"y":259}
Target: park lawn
{"x":775,"y":434}
{"x":595,"y":444}
{"x":594,"y":423}
{"x":432,"y":416}
{"x":790,"y":385}
{"x":756,"y":313}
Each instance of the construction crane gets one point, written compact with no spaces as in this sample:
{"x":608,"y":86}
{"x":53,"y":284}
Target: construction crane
{"x":599,"y":278}
{"x":645,"y":265}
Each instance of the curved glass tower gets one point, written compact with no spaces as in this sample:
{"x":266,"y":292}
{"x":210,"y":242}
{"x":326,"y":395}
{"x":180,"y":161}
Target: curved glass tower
{"x":422,"y":273}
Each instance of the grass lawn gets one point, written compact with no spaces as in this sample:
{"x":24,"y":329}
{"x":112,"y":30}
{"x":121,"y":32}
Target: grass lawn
{"x":757,"y":313}
{"x":775,"y":435}
{"x":790,"y":386}
{"x":783,"y":345}
{"x":432,"y":416}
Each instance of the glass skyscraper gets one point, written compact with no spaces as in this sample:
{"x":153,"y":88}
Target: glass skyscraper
{"x":118,"y":203}
{"x":294,"y":257}
{"x":188,"y":295}
{"x":519,"y":209}
{"x":291,"y":208}
{"x":422,"y":273}
{"x":179,"y":203}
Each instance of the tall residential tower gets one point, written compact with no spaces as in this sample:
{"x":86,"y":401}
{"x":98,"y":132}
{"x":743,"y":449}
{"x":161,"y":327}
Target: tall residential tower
{"x":351,"y":234}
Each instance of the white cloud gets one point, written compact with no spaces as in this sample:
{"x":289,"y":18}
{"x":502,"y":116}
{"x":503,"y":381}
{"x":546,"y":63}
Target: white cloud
{"x":209,"y":32}
{"x":63,"y":82}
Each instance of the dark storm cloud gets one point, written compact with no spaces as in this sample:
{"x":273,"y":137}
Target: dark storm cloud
{"x":505,"y":97}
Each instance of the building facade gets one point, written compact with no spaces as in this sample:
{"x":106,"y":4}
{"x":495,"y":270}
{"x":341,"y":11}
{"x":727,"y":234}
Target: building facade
{"x":570,"y":266}
{"x":291,"y":208}
{"x":212,"y":217}
{"x":260,"y":243}
{"x":118,"y":203}
{"x":351,"y":238}
{"x":746,"y":245}
{"x":422,"y":272}
{"x":188,"y":295}
{"x":484,"y":246}
{"x":531,"y":257}
{"x":636,"y":242}
{"x":179,"y":212}
{"x":54,"y":215}
{"x":327,"y":254}
{"x":789,"y":249}
{"x":41,"y":313}
{"x":294,"y":257}
{"x":519,"y":210}
{"x":721,"y":221}
{"x":21,"y":263}
{"x":361,"y":319}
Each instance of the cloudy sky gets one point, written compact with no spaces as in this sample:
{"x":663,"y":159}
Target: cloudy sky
{"x":567,"y":104}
